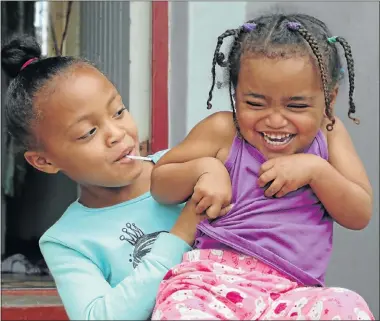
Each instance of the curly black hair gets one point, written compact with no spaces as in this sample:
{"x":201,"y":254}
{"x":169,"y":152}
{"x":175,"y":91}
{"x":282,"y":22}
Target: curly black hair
{"x":280,"y":35}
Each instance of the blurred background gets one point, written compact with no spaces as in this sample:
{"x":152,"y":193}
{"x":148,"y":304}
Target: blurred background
{"x":159,"y":55}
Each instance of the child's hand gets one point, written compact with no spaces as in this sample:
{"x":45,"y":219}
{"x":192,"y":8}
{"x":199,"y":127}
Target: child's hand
{"x":186,"y":224}
{"x":286,"y":174}
{"x":213,"y":193}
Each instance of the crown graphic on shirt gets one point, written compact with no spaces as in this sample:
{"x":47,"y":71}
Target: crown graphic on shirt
{"x":131,"y":233}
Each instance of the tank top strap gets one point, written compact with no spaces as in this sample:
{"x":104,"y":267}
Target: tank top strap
{"x":319,"y":146}
{"x":235,"y":149}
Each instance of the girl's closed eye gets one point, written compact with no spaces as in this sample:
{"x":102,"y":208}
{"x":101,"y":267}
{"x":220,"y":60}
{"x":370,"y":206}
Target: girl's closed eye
{"x":88,"y":134}
{"x":298,"y":106}
{"x":255,"y":104}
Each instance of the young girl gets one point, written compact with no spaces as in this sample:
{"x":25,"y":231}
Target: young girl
{"x":108,"y":252}
{"x":294,"y":171}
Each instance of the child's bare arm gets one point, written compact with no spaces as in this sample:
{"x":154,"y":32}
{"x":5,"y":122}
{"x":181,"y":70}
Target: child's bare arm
{"x":342,"y":184}
{"x":178,"y":171}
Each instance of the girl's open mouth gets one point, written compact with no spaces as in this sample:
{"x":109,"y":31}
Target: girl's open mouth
{"x":277,"y":140}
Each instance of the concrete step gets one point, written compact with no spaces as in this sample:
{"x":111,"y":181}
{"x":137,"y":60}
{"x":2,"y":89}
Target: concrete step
{"x":31,"y":304}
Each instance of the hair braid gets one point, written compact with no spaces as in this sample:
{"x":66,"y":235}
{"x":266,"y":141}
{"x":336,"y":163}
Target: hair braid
{"x":314,"y":47}
{"x":219,"y":59}
{"x":234,"y":48}
{"x":351,"y":77}
{"x":233,"y":108}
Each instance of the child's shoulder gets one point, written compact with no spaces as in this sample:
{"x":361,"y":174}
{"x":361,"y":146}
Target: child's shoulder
{"x":80,"y":225}
{"x":64,"y":227}
{"x":337,"y":131}
{"x":222,"y":121}
{"x":80,"y":222}
{"x":218,"y":126}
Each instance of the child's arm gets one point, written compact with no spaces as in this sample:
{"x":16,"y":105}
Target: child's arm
{"x":342,"y":184}
{"x":178,"y":171}
{"x":87,"y":295}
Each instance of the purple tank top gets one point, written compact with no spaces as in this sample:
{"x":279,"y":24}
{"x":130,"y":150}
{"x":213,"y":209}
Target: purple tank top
{"x":293,"y":234}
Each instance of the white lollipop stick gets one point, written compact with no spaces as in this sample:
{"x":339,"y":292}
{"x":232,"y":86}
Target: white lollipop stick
{"x":139,"y":158}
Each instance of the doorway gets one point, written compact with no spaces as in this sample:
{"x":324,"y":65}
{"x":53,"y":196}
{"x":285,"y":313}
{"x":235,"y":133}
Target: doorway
{"x":31,"y":200}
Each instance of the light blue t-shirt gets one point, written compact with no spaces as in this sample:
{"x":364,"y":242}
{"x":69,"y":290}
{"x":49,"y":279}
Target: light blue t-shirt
{"x":108,"y":263}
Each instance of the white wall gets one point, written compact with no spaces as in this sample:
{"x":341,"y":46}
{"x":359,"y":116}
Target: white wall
{"x":195,"y":27}
{"x":140,"y":39}
{"x":191,"y":52}
{"x":203,"y":32}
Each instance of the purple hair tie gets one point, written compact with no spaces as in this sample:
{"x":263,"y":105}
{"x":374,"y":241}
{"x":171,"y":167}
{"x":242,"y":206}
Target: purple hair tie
{"x":248,"y":27}
{"x":293,"y":25}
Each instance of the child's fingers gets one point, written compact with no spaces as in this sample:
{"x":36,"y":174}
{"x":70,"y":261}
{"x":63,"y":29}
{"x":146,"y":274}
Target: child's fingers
{"x":266,"y":177}
{"x":197,"y":196}
{"x":285,"y":189}
{"x":214,"y":210}
{"x":266,"y":166}
{"x":274,"y":187}
{"x":203,"y":205}
{"x":225,"y":210}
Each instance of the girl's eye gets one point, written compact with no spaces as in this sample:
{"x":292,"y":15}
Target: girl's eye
{"x":298,"y":106}
{"x":89,"y":134}
{"x":254,"y":104}
{"x":120,"y":112}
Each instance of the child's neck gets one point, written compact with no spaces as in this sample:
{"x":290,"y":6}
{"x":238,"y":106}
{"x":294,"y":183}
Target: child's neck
{"x":98,"y":197}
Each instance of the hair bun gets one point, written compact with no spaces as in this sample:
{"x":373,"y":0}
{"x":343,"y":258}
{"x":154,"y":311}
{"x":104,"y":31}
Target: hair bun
{"x":17,"y":51}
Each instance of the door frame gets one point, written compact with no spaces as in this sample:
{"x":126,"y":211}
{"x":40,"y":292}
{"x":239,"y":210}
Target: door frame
{"x":160,"y":71}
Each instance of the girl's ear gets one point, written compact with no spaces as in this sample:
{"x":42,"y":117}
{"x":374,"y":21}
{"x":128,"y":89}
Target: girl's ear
{"x":39,"y":161}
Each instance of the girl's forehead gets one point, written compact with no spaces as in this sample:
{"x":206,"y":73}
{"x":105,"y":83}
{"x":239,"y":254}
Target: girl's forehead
{"x":72,"y":93}
{"x":263,"y":61}
{"x":77,"y":86}
{"x":299,"y":70}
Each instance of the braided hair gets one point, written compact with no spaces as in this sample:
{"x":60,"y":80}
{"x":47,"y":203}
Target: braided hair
{"x":278,"y":35}
{"x":351,"y":76}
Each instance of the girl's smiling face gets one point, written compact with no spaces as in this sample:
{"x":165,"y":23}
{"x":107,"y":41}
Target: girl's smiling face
{"x":85,"y":130}
{"x":279,"y":103}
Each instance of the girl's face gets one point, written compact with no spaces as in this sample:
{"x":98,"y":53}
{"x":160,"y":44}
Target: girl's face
{"x":279,"y":104}
{"x":85,"y":130}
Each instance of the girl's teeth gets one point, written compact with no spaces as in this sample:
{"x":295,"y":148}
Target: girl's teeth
{"x":277,"y":139}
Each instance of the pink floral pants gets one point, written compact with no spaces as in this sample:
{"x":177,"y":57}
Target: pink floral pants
{"x":223,"y":285}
